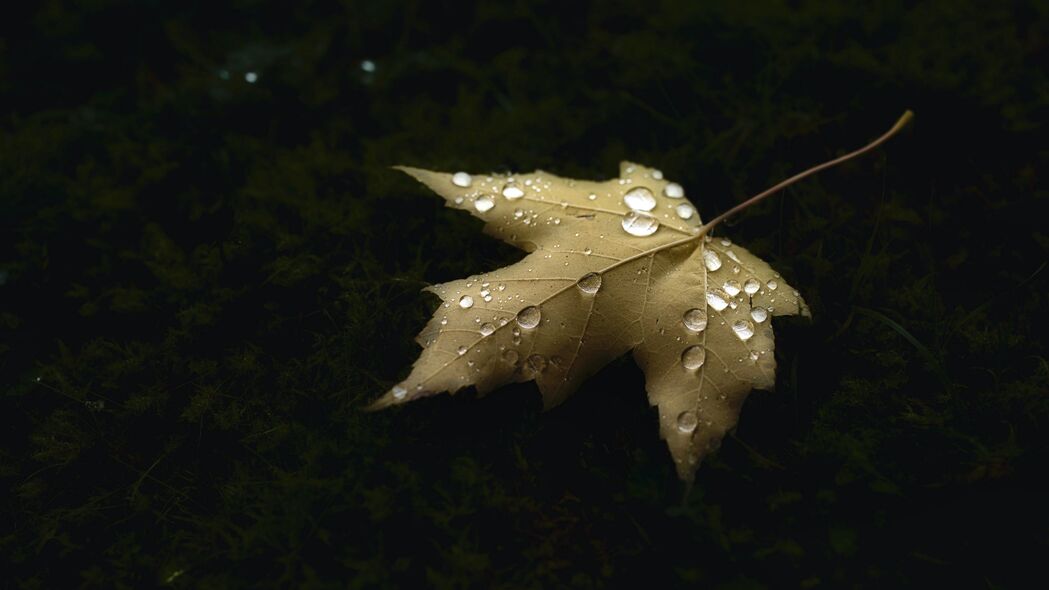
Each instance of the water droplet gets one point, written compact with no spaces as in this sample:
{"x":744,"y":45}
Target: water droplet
{"x":743,"y":328}
{"x":251,"y":77}
{"x":759,"y":314}
{"x":528,"y":317}
{"x":536,"y":363}
{"x":518,"y":213}
{"x":483,"y":203}
{"x":640,"y":199}
{"x":685,"y":211}
{"x":715,"y":300}
{"x":589,"y":283}
{"x":501,"y":287}
{"x":466,"y":302}
{"x":399,"y":392}
{"x":592,"y":196}
{"x":674,"y":190}
{"x":444,"y":321}
{"x":693,"y":357}
{"x":512,"y":192}
{"x":733,"y":256}
{"x":751,"y":286}
{"x":695,"y":320}
{"x":657,"y":174}
{"x":711,"y":260}
{"x":510,"y":356}
{"x":487,"y":329}
{"x":687,"y":421}
{"x":462,"y":179}
{"x":462,"y":349}
{"x":772,"y":284}
{"x":587,"y":251}
{"x":731,"y":287}
{"x":640,"y":224}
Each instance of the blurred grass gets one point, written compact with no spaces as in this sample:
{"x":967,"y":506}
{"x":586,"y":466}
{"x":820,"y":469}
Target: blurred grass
{"x":204,"y":279}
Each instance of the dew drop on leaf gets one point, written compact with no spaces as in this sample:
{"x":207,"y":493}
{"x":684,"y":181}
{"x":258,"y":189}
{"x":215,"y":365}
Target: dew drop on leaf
{"x":693,"y":357}
{"x":744,"y":329}
{"x":640,"y":199}
{"x":772,"y":284}
{"x":399,"y":392}
{"x":487,"y":329}
{"x":715,"y":300}
{"x":731,"y":287}
{"x":483,"y":203}
{"x":685,"y":211}
{"x":759,"y":314}
{"x":466,"y":302}
{"x":639,"y":223}
{"x":589,"y":283}
{"x":461,"y":350}
{"x":674,"y":190}
{"x":687,"y":421}
{"x":462,"y":179}
{"x":528,"y":317}
{"x":695,"y":320}
{"x":512,"y":192}
{"x":711,"y":260}
{"x":751,"y":286}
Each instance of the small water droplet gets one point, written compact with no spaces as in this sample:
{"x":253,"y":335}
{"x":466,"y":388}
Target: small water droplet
{"x":716,"y":300}
{"x":444,"y":321}
{"x":487,"y":329}
{"x":687,"y":421}
{"x":462,"y":179}
{"x":529,"y":317}
{"x":751,"y":286}
{"x":772,"y":284}
{"x":693,"y":357}
{"x":518,"y":213}
{"x":743,"y":328}
{"x":674,"y":190}
{"x":640,"y":224}
{"x":695,"y":320}
{"x":461,"y":350}
{"x":711,"y":260}
{"x":726,"y":242}
{"x":759,"y":314}
{"x":466,"y":302}
{"x":483,"y":203}
{"x":733,"y":256}
{"x":512,"y":192}
{"x":592,"y":196}
{"x":640,"y":199}
{"x":511,"y":356}
{"x":501,"y":287}
{"x":731,"y":287}
{"x":589,"y":283}
{"x":657,"y":174}
{"x":399,"y":392}
{"x":587,"y":251}
{"x":685,"y":211}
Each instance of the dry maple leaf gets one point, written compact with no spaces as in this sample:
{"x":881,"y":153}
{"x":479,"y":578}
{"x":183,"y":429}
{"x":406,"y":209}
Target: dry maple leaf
{"x":619,"y":266}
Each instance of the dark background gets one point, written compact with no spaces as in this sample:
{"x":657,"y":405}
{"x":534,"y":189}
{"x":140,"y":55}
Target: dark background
{"x":204,"y":279}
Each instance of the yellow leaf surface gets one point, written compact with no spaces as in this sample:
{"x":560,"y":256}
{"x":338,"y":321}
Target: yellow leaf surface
{"x":612,"y":267}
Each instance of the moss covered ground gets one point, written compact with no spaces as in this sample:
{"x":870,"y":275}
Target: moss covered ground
{"x":207,"y":268}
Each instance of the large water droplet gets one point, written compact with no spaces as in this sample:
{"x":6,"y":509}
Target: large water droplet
{"x":695,"y":320}
{"x":716,"y":300}
{"x":512,"y":192}
{"x":772,"y":284}
{"x":640,"y":199}
{"x":711,"y":260}
{"x":687,"y":421}
{"x":483,"y":203}
{"x":589,"y":283}
{"x":685,"y":211}
{"x":487,"y":329}
{"x":693,"y":357}
{"x":759,"y":314}
{"x":466,"y":302}
{"x":639,"y":223}
{"x":399,"y":392}
{"x":751,"y":286}
{"x":731,"y":287}
{"x":743,"y":328}
{"x":462,"y":179}
{"x":674,"y":190}
{"x":528,"y":317}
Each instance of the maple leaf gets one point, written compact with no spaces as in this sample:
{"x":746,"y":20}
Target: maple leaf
{"x":624,"y":265}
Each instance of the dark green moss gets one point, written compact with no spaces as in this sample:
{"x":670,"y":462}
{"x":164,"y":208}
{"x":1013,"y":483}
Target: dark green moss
{"x":203,"y":281}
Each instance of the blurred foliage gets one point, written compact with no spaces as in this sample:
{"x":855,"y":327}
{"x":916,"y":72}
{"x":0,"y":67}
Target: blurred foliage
{"x":204,"y":278}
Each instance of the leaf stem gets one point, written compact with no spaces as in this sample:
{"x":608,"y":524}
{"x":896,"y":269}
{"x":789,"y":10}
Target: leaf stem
{"x":900,"y":124}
